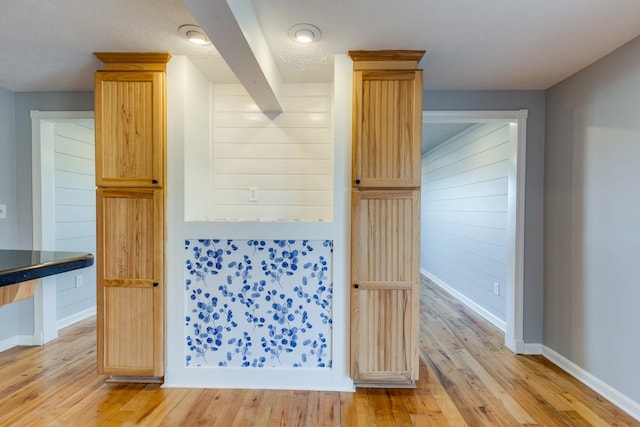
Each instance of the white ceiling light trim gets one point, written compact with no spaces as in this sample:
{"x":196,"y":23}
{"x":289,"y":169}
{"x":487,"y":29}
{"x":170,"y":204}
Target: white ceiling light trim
{"x":194,"y":34}
{"x":305,"y":33}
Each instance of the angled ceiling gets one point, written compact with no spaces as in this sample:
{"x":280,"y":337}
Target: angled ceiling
{"x":434,"y":134}
{"x":493,"y":44}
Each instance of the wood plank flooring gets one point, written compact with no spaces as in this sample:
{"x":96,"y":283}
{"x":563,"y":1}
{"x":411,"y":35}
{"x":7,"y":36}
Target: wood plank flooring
{"x":467,"y":378}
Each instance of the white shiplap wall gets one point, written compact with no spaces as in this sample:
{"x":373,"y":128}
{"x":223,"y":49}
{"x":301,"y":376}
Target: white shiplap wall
{"x":464,"y":214}
{"x":75,"y":212}
{"x":188,"y":134}
{"x":287,"y":157}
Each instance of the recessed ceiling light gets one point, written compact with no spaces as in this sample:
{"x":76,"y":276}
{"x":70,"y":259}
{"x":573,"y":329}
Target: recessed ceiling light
{"x":305,"y":33}
{"x":194,"y":34}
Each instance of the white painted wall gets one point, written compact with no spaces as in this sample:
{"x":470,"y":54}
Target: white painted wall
{"x":75,"y":213}
{"x":592,"y":232}
{"x":287,"y":158}
{"x":465,"y":184}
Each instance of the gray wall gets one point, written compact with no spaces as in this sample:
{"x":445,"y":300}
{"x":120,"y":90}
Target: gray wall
{"x":592,"y":231}
{"x":24,"y":102}
{"x":8,"y":234}
{"x":464,"y":206}
{"x":534,"y":101}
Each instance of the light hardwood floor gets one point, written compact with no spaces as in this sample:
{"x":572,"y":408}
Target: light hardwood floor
{"x":467,"y":377}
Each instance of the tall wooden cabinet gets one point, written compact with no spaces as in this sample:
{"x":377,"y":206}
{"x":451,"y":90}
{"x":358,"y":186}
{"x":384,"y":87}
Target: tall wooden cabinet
{"x":385,"y":217}
{"x":130,"y":175}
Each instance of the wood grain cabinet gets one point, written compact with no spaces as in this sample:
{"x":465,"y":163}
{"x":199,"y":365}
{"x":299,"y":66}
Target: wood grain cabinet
{"x":385,"y":296}
{"x":130,"y":174}
{"x":130,"y":120}
{"x":385,"y":217}
{"x":131,"y":293}
{"x":387,"y":128}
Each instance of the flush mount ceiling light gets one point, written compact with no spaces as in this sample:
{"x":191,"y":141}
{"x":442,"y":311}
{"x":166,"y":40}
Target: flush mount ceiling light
{"x":304,"y":33}
{"x":194,"y":34}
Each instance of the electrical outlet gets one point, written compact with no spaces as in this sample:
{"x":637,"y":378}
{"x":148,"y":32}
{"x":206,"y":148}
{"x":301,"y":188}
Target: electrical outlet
{"x":253,"y":194}
{"x":79,"y":281}
{"x":496,"y":288}
{"x":3,"y":211}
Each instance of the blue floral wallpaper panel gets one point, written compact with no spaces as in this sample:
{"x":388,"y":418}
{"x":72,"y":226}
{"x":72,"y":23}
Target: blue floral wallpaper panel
{"x":258,"y":303}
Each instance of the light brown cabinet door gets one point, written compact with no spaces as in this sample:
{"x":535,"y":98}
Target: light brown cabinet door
{"x":130,"y":271}
{"x":387,"y":127}
{"x":385,"y":286}
{"x":130,"y":123}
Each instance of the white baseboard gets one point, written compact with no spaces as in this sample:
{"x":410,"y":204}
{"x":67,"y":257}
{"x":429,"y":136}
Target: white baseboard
{"x":70,"y":320}
{"x":31,"y":340}
{"x":313,"y":379}
{"x":629,"y":406}
{"x":492,"y":318}
{"x":623,"y":402}
{"x":16,"y":340}
{"x":532,"y":348}
{"x":521,"y":347}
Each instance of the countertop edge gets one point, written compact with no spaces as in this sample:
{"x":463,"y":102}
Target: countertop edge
{"x":44,"y":269}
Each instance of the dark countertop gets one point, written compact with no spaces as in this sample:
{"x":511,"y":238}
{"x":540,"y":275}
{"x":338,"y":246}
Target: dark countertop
{"x":18,"y":266}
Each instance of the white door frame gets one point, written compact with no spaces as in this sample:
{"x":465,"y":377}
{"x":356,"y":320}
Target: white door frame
{"x":514,"y":334}
{"x":44,"y":234}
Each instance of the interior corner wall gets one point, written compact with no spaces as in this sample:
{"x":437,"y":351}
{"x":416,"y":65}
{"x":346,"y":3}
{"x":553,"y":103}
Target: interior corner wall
{"x":534,"y":102}
{"x":591,"y":222}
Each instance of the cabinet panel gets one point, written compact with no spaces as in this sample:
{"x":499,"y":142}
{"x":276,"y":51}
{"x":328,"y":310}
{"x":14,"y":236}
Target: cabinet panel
{"x":385,"y":235}
{"x":384,"y":349}
{"x":129,"y":115}
{"x":129,"y":334}
{"x":130,"y":267}
{"x":385,"y":277}
{"x":387,"y":127}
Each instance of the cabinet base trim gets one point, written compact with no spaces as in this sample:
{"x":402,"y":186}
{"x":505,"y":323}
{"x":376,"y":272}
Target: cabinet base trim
{"x":134,"y":380}
{"x":411,"y":384}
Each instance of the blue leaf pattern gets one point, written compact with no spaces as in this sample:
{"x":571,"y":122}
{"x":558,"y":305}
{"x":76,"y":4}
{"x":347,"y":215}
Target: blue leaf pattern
{"x":258,"y":303}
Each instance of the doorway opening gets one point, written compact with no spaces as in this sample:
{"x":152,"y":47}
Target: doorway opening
{"x":480,"y":162}
{"x":63,"y":177}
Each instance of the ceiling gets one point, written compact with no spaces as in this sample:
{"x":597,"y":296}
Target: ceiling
{"x":470,"y":44}
{"x":434,"y":134}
